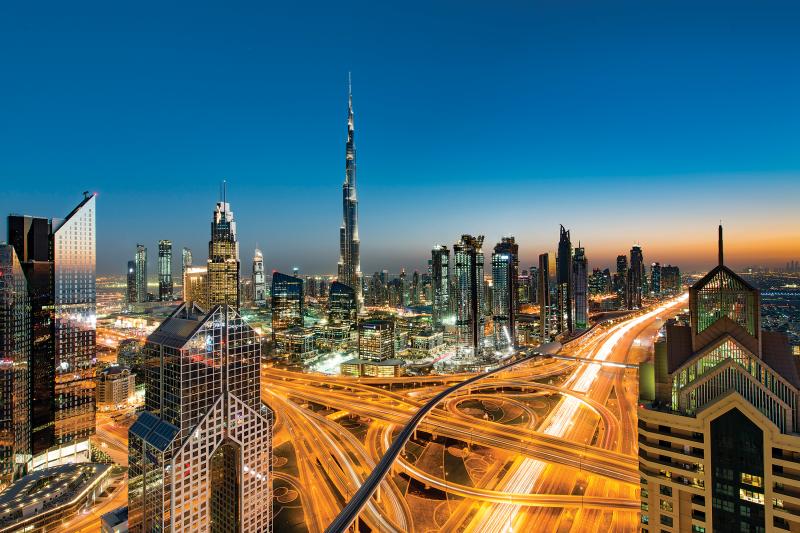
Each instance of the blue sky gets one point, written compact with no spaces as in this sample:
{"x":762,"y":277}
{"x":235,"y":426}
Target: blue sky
{"x":625,"y":121}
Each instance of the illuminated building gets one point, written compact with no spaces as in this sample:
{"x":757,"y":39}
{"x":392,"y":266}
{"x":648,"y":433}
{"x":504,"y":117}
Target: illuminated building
{"x":15,"y":384}
{"x":115,"y":385}
{"x":186,"y":262}
{"x":415,"y":288}
{"x":165,"y":270}
{"x":223,"y":257}
{"x":564,"y":298}
{"x":376,"y":340}
{"x":580,"y":280}
{"x":671,"y":279}
{"x":287,"y":302}
{"x":424,"y":343}
{"x":200,"y":453}
{"x":349,"y":253}
{"x":195,"y":285}
{"x":533,"y":279}
{"x":505,"y":293}
{"x":468,"y":293}
{"x":342,"y":304}
{"x":621,"y":280}
{"x":636,"y":279}
{"x":297,"y":344}
{"x":141,"y":273}
{"x":58,"y":257}
{"x":259,"y":281}
{"x":718,"y":442}
{"x":441,"y":306}
{"x":655,"y":278}
{"x":548,"y":319}
{"x":130,"y":292}
{"x":600,"y":282}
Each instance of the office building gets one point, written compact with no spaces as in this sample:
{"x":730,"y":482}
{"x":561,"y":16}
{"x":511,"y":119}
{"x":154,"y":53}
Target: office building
{"x":349,"y":267}
{"x":718,"y":417}
{"x":141,"y":273}
{"x":259,"y":280}
{"x":671,"y":279}
{"x":505,"y":292}
{"x":600,"y":282}
{"x":130,"y":291}
{"x":115,"y":386}
{"x":200,"y":453}
{"x":636,"y":279}
{"x":58,"y":257}
{"x":580,"y":288}
{"x":533,"y":279}
{"x":342,"y":304}
{"x":655,"y":278}
{"x":441,"y":306}
{"x":548,"y":318}
{"x":469,"y":293}
{"x":195,"y":285}
{"x":376,"y":340}
{"x":621,"y":280}
{"x":564,"y":303}
{"x":223,"y":256}
{"x":15,"y":379}
{"x":287,"y":302}
{"x":165,"y":288}
{"x":186,"y":262}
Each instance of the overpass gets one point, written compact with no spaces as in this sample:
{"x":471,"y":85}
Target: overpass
{"x":350,"y":511}
{"x":592,"y":361}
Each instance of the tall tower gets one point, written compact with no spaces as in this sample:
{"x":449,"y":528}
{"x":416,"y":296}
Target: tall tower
{"x":564,"y":280}
{"x":505,"y":294}
{"x":259,"y":282}
{"x":223,"y":256}
{"x":469,"y":297}
{"x":636,"y":279}
{"x":141,"y":273}
{"x":440,"y":285}
{"x":130,"y":293}
{"x":349,"y":253}
{"x":200,"y":453}
{"x":580,"y":281}
{"x":164,"y":270}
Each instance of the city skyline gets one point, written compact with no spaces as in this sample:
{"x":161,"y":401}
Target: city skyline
{"x":665,"y":122}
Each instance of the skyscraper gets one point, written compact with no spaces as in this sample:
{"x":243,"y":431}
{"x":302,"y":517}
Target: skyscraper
{"x":621,"y":280}
{"x":342,"y":304}
{"x":186,"y":262}
{"x":349,"y":253}
{"x":130,"y":291}
{"x":141,"y":273}
{"x":548,"y":319}
{"x":165,"y":288}
{"x":636,"y":279}
{"x":200,"y":453}
{"x":223,"y":256}
{"x":195,"y":286}
{"x":655,"y":278}
{"x":287,"y":302}
{"x":564,"y":297}
{"x":259,"y":281}
{"x":440,"y":279}
{"x":718,"y":417}
{"x":580,"y":277}
{"x":468,"y":274}
{"x":15,"y":379}
{"x":505,"y":292}
{"x":671,"y":279}
{"x":58,"y":257}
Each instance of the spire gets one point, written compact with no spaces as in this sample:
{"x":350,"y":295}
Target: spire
{"x":720,"y":243}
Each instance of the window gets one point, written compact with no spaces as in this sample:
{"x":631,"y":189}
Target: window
{"x":665,"y":505}
{"x":752,"y":479}
{"x":645,"y":519}
{"x":666,"y":520}
{"x":665,"y":490}
{"x":750,"y":496}
{"x":744,"y":511}
{"x":698,"y":529}
{"x":645,"y":506}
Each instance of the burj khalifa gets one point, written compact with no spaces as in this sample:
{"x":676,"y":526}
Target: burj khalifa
{"x":349,"y":255}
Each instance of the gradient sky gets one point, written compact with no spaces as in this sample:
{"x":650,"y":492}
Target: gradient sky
{"x":625,"y":121}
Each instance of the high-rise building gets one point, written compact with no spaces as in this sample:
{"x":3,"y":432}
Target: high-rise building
{"x":441,"y":307}
{"x":621,"y":280}
{"x":58,"y":257}
{"x":259,"y":281}
{"x":130,"y":291}
{"x":165,"y":288}
{"x":533,"y":279}
{"x":200,"y":453}
{"x":636,"y":280}
{"x":223,"y":256}
{"x":195,"y":285}
{"x":580,"y":281}
{"x":600,"y":282}
{"x":141,"y":273}
{"x":564,"y":302}
{"x":718,"y":417}
{"x":287,"y":302}
{"x":186,"y":262}
{"x":349,"y":251}
{"x":376,"y":340}
{"x":671,"y":279}
{"x":468,"y":293}
{"x":655,"y":278}
{"x":342,"y":304}
{"x":548,"y":319}
{"x":505,"y":292}
{"x":15,"y":379}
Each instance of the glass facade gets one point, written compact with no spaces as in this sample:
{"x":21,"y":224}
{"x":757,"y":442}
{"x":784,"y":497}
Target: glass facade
{"x":342,"y":304}
{"x":505,"y":292}
{"x":141,"y":273}
{"x":223,"y":258}
{"x":469,"y":295}
{"x":564,"y":293}
{"x":349,"y":267}
{"x":259,"y":281}
{"x":724,"y":295}
{"x":287,"y":302}
{"x":376,"y":340}
{"x":165,"y":288}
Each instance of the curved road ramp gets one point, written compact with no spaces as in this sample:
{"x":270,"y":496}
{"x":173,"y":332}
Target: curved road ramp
{"x":350,"y":511}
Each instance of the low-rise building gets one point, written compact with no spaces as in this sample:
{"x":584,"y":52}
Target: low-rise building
{"x":296,"y":344}
{"x":115,"y":521}
{"x":115,"y":386}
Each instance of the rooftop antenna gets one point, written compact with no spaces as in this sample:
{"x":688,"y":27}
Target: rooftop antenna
{"x":720,"y":242}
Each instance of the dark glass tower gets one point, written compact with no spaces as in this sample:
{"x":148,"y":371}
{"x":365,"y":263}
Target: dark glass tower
{"x":130,"y":290}
{"x":564,"y":296}
{"x":505,"y":293}
{"x":287,"y":302}
{"x":58,"y":258}
{"x":165,"y":270}
{"x":342,"y":304}
{"x":440,"y":281}
{"x":580,"y":277}
{"x":636,"y":279}
{"x":349,"y":253}
{"x":141,"y":273}
{"x":469,"y":296}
